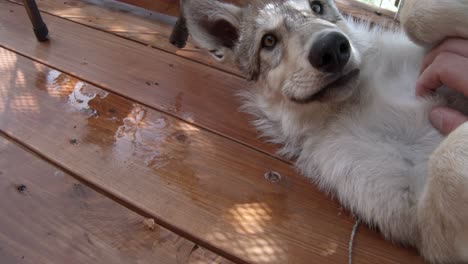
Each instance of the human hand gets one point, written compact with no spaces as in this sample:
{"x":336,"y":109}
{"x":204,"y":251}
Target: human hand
{"x":447,"y":64}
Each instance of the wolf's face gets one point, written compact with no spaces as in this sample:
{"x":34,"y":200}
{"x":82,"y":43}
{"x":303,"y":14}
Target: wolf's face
{"x":298,"y":49}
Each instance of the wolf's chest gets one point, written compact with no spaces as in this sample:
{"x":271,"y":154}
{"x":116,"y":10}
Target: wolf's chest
{"x":402,"y":128}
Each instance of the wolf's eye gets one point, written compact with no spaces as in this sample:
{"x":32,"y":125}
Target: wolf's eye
{"x":269,"y":41}
{"x":317,"y":7}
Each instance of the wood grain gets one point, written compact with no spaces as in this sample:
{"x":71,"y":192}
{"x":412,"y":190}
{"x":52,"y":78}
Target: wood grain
{"x":201,"y":185}
{"x":49,"y":217}
{"x":169,"y":7}
{"x":355,"y":8}
{"x":190,"y":91}
{"x":144,"y":26}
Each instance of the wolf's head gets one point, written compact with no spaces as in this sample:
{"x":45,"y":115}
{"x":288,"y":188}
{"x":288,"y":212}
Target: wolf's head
{"x":298,"y":49}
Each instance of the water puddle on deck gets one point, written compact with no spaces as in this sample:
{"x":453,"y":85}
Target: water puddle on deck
{"x":79,"y":93}
{"x":121,"y":130}
{"x":120,"y":134}
{"x":144,"y":138}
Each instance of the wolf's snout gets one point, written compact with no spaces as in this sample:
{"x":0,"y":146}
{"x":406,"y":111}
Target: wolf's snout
{"x":330,"y":52}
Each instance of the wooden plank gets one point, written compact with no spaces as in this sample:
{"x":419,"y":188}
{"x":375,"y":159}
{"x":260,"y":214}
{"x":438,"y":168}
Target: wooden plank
{"x":161,"y":6}
{"x":201,"y":185}
{"x":190,"y":91}
{"x":169,"y":7}
{"x":130,"y":22}
{"x":49,"y":217}
{"x":355,"y":8}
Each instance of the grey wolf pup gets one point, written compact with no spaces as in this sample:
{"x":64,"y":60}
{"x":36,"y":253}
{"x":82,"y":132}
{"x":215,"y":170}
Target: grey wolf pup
{"x":340,"y":98}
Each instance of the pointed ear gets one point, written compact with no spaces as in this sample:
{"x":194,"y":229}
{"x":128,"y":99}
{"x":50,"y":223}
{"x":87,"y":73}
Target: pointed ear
{"x":213,"y":25}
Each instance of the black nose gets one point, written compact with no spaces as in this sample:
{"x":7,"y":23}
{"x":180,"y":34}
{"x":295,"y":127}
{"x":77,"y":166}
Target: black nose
{"x":330,"y":52}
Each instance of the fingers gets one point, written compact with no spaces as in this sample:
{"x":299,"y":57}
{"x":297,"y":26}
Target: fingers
{"x":447,"y":69}
{"x":453,"y":45}
{"x":446,"y":120}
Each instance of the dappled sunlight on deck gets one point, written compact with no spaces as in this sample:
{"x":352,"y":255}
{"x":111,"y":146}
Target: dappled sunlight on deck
{"x":24,"y":103}
{"x":7,"y":61}
{"x":253,"y":237}
{"x":250,"y":218}
{"x":13,"y":76}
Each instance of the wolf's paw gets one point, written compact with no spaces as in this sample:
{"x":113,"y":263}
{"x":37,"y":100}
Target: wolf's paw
{"x":443,"y":207}
{"x":428,"y":22}
{"x":179,"y":35}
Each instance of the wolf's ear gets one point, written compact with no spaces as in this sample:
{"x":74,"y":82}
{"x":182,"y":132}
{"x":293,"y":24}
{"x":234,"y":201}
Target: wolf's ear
{"x":213,"y":25}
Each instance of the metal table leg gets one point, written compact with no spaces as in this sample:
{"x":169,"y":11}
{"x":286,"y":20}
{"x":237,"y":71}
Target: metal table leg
{"x":39,"y":27}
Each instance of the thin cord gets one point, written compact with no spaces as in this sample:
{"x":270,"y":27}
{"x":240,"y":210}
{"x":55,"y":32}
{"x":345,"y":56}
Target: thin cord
{"x":351,"y":241}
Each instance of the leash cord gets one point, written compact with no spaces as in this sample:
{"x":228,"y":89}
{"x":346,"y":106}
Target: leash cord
{"x":351,"y":241}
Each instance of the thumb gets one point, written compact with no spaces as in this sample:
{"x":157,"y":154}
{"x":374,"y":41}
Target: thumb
{"x":446,"y":120}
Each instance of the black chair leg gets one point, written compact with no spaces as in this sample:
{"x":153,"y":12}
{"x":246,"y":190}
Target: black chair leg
{"x":39,"y":27}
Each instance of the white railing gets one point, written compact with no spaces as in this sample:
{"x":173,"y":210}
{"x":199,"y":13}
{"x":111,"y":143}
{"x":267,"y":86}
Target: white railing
{"x":391,"y":5}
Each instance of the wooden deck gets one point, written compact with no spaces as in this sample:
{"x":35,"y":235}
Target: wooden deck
{"x":107,"y":127}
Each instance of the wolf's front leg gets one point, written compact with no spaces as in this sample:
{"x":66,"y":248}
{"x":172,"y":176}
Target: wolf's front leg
{"x":428,"y":22}
{"x":443,"y":207}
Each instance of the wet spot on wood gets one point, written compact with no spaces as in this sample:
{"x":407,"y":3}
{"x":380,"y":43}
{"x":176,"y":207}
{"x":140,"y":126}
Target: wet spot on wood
{"x":273,"y":176}
{"x":79,"y":190}
{"x":95,"y":114}
{"x":74,"y":141}
{"x":150,"y":224}
{"x":21,"y":188}
{"x":340,"y":210}
{"x":182,"y":138}
{"x":88,"y":238}
{"x":166,"y":236}
{"x":59,"y":174}
{"x":151,"y":83}
{"x":409,"y":162}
